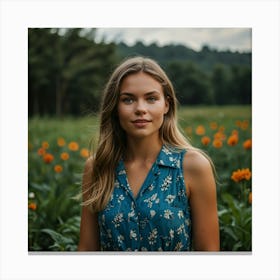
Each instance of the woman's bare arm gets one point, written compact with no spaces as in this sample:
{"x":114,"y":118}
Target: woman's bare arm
{"x":89,"y":230}
{"x":201,"y":186}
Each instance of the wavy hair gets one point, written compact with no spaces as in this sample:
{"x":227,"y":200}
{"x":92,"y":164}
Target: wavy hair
{"x":112,"y":139}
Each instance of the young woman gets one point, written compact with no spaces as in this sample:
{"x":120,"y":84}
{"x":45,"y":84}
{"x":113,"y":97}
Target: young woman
{"x":146,"y":188}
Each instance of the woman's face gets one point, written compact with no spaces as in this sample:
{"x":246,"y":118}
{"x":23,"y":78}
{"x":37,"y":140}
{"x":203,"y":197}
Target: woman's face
{"x":141,"y":105}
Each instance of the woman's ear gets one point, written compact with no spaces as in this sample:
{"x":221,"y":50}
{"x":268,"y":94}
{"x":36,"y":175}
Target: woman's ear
{"x":167,"y":101}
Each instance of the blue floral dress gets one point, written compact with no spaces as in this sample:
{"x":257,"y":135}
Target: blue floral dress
{"x":158,"y":219}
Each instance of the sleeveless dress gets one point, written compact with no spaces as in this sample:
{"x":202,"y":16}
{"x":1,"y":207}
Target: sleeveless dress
{"x":158,"y":219}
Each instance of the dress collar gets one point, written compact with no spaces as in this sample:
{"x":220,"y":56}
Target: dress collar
{"x":168,"y":156}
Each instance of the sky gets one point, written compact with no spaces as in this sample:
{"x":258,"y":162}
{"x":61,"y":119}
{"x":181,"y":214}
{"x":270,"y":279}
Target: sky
{"x":234,"y":39}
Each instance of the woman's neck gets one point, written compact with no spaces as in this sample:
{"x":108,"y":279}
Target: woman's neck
{"x":142,"y":149}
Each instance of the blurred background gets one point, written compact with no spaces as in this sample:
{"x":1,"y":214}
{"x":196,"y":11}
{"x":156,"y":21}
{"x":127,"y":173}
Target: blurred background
{"x":67,"y":68}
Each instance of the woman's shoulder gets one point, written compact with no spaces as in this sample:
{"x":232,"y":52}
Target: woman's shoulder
{"x":196,"y":162}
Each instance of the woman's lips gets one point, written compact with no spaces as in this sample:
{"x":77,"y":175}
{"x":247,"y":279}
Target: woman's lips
{"x":140,"y":122}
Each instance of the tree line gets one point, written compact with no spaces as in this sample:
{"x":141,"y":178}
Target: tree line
{"x":68,"y":69}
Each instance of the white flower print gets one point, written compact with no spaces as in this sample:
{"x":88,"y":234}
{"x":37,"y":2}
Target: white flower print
{"x":178,"y":246}
{"x":132,"y":234}
{"x":170,"y":198}
{"x":150,"y":200}
{"x":120,"y":198}
{"x":180,"y":214}
{"x":166,"y":183}
{"x":122,"y":172}
{"x":180,"y":229}
{"x":171,"y":233}
{"x":166,"y":151}
{"x":171,"y":158}
{"x":131,"y":214}
{"x":151,"y":187}
{"x":118,"y":219}
{"x":168,"y":214}
{"x":120,"y":239}
{"x":152,"y":213}
{"x":153,"y":236}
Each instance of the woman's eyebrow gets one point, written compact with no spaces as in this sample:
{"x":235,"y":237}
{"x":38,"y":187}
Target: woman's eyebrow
{"x":146,"y":94}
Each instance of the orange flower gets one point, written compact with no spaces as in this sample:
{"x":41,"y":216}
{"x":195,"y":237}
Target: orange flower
{"x":241,"y":174}
{"x":247,"y":144}
{"x":200,"y":130}
{"x":45,"y":145}
{"x":205,"y":140}
{"x":41,"y":151}
{"x":232,"y":140}
{"x":221,"y":128}
{"x":217,"y":143}
{"x":250,"y":198}
{"x":48,"y":158}
{"x":32,"y":206}
{"x":244,"y":125}
{"x":235,"y":132}
{"x":64,"y":156}
{"x":61,"y":142}
{"x":213,"y":125}
{"x":58,"y":168}
{"x":220,"y":135}
{"x":73,"y":146}
{"x":238,"y":123}
{"x":84,"y":153}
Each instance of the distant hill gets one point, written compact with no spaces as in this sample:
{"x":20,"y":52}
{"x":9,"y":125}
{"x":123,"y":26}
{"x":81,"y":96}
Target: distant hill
{"x":206,"y":59}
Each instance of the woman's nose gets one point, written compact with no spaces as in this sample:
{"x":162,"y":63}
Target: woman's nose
{"x":140,"y":108}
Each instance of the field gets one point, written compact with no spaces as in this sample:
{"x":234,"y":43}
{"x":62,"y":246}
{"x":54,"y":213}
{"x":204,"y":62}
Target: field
{"x":57,"y":150}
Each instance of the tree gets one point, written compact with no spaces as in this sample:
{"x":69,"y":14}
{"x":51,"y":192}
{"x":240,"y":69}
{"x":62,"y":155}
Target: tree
{"x":67,"y":70}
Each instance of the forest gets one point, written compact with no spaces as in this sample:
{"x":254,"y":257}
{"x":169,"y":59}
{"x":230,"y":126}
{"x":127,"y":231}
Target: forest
{"x":68,"y":70}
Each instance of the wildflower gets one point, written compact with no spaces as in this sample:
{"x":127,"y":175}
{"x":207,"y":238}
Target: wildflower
{"x":84,"y":153}
{"x":232,"y":140}
{"x":241,"y":174}
{"x":247,"y":144}
{"x":41,"y":151}
{"x":200,"y":130}
{"x":217,"y":143}
{"x":221,"y":128}
{"x":73,"y":146}
{"x":31,"y":195}
{"x":32,"y":206}
{"x":238,"y":123}
{"x":45,"y":145}
{"x":220,"y":135}
{"x":64,"y":156}
{"x":58,"y":168}
{"x":61,"y":142}
{"x":48,"y":158}
{"x":244,"y":125}
{"x":205,"y":140}
{"x":213,"y":125}
{"x":250,"y":198}
{"x":235,"y":132}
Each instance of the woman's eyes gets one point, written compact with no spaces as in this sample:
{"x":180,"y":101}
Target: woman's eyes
{"x":130,"y":100}
{"x":127,"y":100}
{"x":152,"y":99}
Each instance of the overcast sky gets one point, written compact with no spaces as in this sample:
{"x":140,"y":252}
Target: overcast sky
{"x":235,"y":39}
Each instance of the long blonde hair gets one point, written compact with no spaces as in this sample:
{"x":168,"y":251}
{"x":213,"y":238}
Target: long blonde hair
{"x":112,"y":139}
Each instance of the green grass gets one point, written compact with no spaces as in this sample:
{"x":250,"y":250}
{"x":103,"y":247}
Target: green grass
{"x":54,"y":224}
